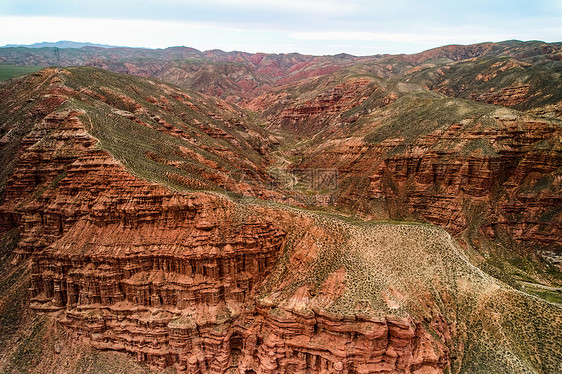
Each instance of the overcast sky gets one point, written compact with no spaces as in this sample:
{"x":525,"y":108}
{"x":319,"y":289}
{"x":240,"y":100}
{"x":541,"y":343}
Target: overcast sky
{"x":359,"y":27}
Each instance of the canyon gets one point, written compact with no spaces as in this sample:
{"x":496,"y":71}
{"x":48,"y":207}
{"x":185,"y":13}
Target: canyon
{"x":179,"y":227}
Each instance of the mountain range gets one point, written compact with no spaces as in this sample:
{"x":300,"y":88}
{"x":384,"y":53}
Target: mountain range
{"x":221,"y":212}
{"x":59,"y":44}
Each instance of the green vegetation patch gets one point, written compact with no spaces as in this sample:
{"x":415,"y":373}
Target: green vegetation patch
{"x":419,"y":114}
{"x":11,"y":71}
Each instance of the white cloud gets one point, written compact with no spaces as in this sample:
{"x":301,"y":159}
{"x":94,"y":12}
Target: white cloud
{"x":365,"y":36}
{"x":314,"y":6}
{"x":426,"y":38}
{"x":253,"y":38}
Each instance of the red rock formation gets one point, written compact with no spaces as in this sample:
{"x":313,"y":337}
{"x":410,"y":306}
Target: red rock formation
{"x":507,"y":96}
{"x":185,"y":279}
{"x":101,"y":238}
{"x":440,"y":176}
{"x":171,"y":278}
{"x":331,"y":105}
{"x":341,"y":98}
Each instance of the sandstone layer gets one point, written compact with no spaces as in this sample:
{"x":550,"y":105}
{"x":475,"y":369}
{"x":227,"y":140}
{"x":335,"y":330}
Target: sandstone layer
{"x":128,"y":256}
{"x":169,"y":277}
{"x":496,"y":173}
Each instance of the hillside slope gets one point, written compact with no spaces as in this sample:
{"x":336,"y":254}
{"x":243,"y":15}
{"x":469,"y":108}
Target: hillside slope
{"x":525,"y":75}
{"x":122,"y":214}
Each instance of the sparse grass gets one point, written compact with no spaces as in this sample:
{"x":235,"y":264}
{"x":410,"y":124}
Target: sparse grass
{"x":401,"y":270}
{"x":130,"y":142}
{"x":419,"y":114}
{"x":95,"y":361}
{"x":13,"y":304}
{"x":29,"y":350}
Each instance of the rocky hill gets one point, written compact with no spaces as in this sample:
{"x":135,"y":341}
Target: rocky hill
{"x":465,"y":71}
{"x":350,"y":215}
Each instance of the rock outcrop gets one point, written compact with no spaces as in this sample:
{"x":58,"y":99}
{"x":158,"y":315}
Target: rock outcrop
{"x":171,"y":277}
{"x":310,"y":117}
{"x":334,"y":100}
{"x":498,"y":174}
{"x":109,"y":189}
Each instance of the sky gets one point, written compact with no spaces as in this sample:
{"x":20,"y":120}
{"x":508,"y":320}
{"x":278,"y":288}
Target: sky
{"x":319,"y":27}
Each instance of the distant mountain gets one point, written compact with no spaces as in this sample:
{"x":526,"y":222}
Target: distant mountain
{"x":465,"y":71}
{"x":59,"y":44}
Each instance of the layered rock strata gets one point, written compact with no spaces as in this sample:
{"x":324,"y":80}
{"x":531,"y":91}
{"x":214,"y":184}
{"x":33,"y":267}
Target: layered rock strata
{"x":500,"y":179}
{"x":197,"y":281}
{"x":333,"y":101}
{"x":171,"y":278}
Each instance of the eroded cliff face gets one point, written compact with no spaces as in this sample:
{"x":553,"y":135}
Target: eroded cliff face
{"x":210,"y":284}
{"x":505,"y":182}
{"x":497,"y":175}
{"x":317,"y":106}
{"x":311,"y":116}
{"x":173,"y":278}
